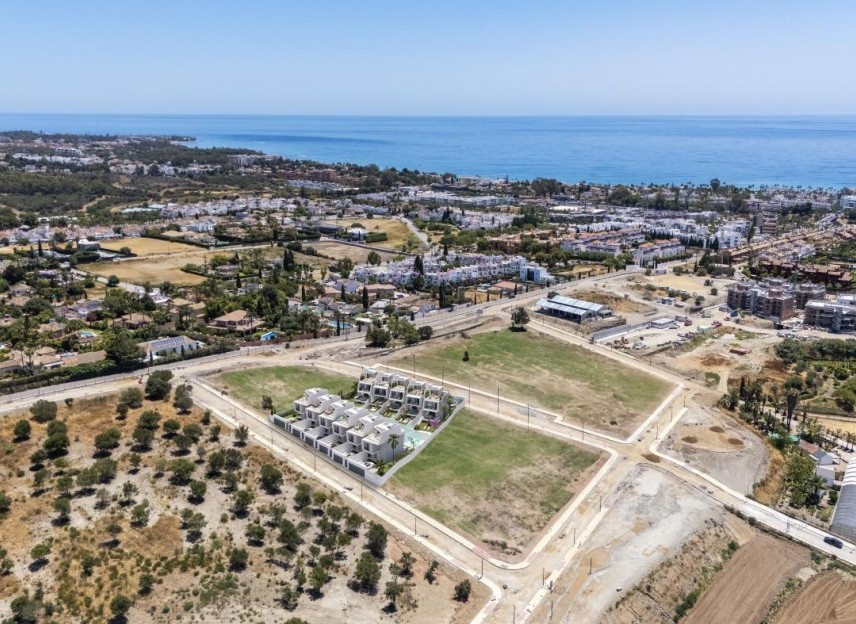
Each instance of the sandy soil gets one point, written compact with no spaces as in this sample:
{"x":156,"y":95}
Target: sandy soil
{"x":829,"y":598}
{"x":717,"y":445}
{"x":747,"y":584}
{"x":650,"y":516}
{"x":619,"y":304}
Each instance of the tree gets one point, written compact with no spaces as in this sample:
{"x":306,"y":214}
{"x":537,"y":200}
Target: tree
{"x":197,"y":491}
{"x":255,"y":534}
{"x":192,"y":431}
{"x":462,"y":591}
{"x":142,"y":437}
{"x":242,"y":434}
{"x":122,"y":348}
{"x":25,"y":609}
{"x":182,"y":443}
{"x":56,"y":444}
{"x":40,"y":552}
{"x":373,"y":258}
{"x":271,"y":478}
{"x":107,"y":440}
{"x":376,"y":540}
{"x":317,"y":578}
{"x":5,"y":502}
{"x":393,"y":590}
{"x":113,"y":530}
{"x":238,"y":558}
{"x":147,"y":583}
{"x":425,"y":332}
{"x":405,"y":564}
{"x":62,"y":506}
{"x":430,"y":573}
{"x":140,"y":514}
{"x":519,"y":318}
{"x":120,"y":605}
{"x":303,"y":496}
{"x":366,"y":575}
{"x":183,"y":401}
{"x":182,"y":470}
{"x":129,"y":490}
{"x":171,"y":427}
{"x":150,"y":420}
{"x":267,"y":403}
{"x":22,"y":430}
{"x":158,"y":385}
{"x":132,"y":397}
{"x":43,"y":411}
{"x":365,"y":298}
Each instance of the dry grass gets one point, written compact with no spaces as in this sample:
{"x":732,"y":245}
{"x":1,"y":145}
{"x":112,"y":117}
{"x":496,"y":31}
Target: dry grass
{"x":147,"y":246}
{"x":152,"y":270}
{"x":769,"y":489}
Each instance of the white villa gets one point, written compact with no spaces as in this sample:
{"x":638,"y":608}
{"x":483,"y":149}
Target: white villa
{"x":391,"y":416}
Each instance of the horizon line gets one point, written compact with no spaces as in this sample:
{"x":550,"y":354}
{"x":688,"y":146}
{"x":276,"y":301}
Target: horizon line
{"x":437,"y":116}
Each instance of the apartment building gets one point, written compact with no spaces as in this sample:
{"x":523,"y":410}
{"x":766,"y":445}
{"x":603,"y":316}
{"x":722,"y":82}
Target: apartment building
{"x":771,"y":299}
{"x":837,"y":317}
{"x":646,"y":252}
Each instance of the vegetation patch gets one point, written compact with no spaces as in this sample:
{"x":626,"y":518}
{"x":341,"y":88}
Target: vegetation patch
{"x":561,"y":377}
{"x":283,"y":384}
{"x":492,"y":480}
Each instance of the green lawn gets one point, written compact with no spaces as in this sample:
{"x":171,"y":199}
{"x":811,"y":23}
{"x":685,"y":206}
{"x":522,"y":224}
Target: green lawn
{"x":555,"y":375}
{"x":492,"y":480}
{"x":282,"y":383}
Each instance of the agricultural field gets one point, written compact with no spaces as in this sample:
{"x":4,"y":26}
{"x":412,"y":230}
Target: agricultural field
{"x":557,"y":376}
{"x":748,"y":583}
{"x":153,"y":270}
{"x":829,"y":597}
{"x":147,"y":246}
{"x":147,"y":514}
{"x":283,"y":384}
{"x":494,"y":481}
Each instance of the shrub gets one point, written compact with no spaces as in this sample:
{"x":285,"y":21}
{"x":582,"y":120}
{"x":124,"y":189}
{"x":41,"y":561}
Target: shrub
{"x":43,"y":411}
{"x":462,"y":591}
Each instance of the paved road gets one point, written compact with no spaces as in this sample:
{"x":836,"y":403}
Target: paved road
{"x":518,"y":588}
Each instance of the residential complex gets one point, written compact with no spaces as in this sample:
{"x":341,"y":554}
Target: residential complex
{"x":772,"y":298}
{"x":391,"y":417}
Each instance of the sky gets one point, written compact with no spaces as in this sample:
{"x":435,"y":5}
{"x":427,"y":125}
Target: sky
{"x":437,"y":57}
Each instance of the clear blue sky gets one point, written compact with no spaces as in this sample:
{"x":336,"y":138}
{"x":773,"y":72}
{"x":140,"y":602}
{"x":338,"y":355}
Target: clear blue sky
{"x":435,"y":57}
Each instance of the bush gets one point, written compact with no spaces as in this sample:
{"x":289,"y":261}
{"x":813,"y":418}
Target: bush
{"x":132,"y":397}
{"x":43,"y":411}
{"x":462,"y":591}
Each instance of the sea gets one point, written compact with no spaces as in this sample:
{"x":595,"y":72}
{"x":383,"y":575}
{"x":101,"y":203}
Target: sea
{"x":800,"y":151}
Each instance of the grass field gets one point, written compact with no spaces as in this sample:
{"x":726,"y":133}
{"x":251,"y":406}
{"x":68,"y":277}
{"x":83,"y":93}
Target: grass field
{"x":152,"y":270}
{"x":494,"y":481}
{"x":283,"y":384}
{"x":147,"y":246}
{"x":554,"y":375}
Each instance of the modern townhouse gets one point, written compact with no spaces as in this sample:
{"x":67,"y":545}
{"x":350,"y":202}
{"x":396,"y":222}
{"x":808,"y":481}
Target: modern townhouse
{"x":390,"y":417}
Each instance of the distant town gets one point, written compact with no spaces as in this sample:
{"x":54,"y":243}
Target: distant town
{"x":490,"y":383}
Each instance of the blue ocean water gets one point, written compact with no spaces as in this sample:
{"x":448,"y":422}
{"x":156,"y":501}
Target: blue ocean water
{"x":791,"y":151}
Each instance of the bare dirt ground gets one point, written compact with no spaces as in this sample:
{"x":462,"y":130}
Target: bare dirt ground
{"x":743,"y":589}
{"x":619,"y":304}
{"x":650,"y":516}
{"x":719,"y":446}
{"x":152,"y":270}
{"x":655,"y":598}
{"x":829,"y":597}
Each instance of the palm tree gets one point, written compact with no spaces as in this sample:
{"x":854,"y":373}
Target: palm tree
{"x":394,"y":438}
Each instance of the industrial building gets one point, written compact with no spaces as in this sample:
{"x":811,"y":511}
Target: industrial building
{"x":571,"y":309}
{"x":844,"y":517}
